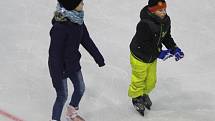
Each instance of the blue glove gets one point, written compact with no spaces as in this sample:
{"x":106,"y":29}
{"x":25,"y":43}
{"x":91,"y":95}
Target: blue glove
{"x":165,"y":54}
{"x":177,"y":53}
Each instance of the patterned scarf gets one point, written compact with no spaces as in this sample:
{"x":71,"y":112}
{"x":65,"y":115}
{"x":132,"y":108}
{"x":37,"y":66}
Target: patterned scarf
{"x":61,"y":14}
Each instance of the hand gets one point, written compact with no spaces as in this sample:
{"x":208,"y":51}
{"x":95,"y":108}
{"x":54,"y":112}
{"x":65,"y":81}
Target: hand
{"x":101,"y":64}
{"x":178,"y":54}
{"x":165,"y":54}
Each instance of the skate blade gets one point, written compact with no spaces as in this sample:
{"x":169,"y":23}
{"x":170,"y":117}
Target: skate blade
{"x":141,"y":113}
{"x":68,"y":119}
{"x":149,"y":108}
{"x":139,"y":110}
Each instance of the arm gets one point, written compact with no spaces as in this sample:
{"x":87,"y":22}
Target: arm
{"x":90,"y":46}
{"x":172,"y":47}
{"x":169,"y":41}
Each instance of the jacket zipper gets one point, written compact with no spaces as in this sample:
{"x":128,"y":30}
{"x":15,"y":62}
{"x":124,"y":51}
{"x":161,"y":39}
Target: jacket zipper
{"x":150,"y":59}
{"x":160,"y":34}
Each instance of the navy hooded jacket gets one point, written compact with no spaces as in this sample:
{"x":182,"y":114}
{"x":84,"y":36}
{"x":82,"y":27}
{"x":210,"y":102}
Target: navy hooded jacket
{"x":64,"y":55}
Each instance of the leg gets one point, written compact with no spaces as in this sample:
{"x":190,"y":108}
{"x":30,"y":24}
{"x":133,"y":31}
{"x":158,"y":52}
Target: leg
{"x":138,"y":77}
{"x":151,"y":77}
{"x":137,"y":86}
{"x":62,"y":94}
{"x":79,"y":88}
{"x":150,"y":84}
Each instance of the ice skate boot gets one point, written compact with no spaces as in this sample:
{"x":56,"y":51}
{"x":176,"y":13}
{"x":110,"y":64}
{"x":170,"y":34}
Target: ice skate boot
{"x":72,"y":114}
{"x":138,"y":105}
{"x":147,"y":101}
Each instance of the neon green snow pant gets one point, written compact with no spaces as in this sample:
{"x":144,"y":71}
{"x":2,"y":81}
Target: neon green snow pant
{"x":143,"y":78}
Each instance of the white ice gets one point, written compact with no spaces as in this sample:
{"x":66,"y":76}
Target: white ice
{"x":185,"y":90}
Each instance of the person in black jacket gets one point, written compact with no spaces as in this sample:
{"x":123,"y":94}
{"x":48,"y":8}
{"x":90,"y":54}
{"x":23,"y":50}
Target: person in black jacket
{"x":153,"y":30}
{"x":67,"y":33}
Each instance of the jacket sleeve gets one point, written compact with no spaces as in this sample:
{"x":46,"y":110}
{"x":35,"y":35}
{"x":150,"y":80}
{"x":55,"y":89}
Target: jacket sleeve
{"x":90,"y":46}
{"x":168,"y":41}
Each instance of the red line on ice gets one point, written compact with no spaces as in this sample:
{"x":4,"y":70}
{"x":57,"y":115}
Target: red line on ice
{"x":10,"y":116}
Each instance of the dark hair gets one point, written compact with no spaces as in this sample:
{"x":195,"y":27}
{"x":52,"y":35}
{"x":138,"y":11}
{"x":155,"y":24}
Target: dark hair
{"x":154,"y":2}
{"x":69,"y":4}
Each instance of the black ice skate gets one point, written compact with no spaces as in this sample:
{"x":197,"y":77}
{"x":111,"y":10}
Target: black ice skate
{"x":146,"y":101}
{"x":138,"y":105}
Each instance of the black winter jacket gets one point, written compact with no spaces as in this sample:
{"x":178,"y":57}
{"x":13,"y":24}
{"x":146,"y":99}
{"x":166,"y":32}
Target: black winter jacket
{"x":64,"y":55}
{"x":151,"y":33}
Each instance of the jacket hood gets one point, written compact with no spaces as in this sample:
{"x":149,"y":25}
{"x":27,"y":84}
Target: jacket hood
{"x":144,"y":13}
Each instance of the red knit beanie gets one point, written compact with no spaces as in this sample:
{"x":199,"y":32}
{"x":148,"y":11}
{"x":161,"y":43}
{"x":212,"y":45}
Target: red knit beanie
{"x":154,"y":5}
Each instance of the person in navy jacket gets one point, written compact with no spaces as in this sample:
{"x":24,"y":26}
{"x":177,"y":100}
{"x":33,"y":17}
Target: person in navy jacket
{"x":67,"y":34}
